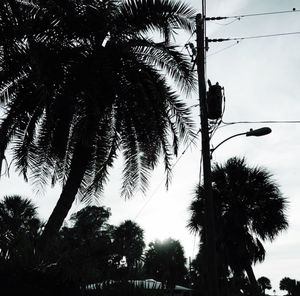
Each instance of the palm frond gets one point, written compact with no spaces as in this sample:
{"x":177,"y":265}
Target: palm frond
{"x":182,"y":118}
{"x":134,"y":173}
{"x":163,"y":15}
{"x":105,"y":155}
{"x":43,"y":161}
{"x":29,"y":3}
{"x":165,"y":58}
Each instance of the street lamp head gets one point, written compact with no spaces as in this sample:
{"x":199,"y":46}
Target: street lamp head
{"x":259,"y":132}
{"x":256,"y":133}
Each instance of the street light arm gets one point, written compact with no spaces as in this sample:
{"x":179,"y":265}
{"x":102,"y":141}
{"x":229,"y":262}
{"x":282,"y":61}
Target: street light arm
{"x":251,"y":133}
{"x":240,"y":134}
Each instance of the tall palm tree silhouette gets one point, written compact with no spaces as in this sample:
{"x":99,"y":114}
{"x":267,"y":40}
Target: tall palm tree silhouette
{"x":86,"y":82}
{"x":249,"y":210}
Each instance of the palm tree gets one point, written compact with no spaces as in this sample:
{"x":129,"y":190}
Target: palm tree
{"x":249,"y":210}
{"x":91,"y":222}
{"x":86,"y":82}
{"x":19,"y":229}
{"x":128,"y":241}
{"x":165,"y":262}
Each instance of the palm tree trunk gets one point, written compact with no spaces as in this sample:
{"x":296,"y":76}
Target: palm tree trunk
{"x":78,"y":166}
{"x":253,"y":283}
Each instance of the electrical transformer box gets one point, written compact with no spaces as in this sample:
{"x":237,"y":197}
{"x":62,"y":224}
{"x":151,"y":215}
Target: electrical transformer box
{"x":214,"y":101}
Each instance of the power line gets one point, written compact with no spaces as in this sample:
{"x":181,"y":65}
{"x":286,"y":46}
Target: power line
{"x":225,"y":48}
{"x":226,"y":24}
{"x":266,"y":36}
{"x":251,"y":15}
{"x":261,"y":121}
{"x":188,"y":40}
{"x":162,"y":181}
{"x":253,"y":37}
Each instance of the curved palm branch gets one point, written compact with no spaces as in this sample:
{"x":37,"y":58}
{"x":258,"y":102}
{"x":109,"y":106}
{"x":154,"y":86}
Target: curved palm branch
{"x":142,"y":16}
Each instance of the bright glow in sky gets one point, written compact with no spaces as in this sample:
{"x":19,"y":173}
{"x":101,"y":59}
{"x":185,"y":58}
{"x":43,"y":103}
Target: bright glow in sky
{"x":261,"y":80}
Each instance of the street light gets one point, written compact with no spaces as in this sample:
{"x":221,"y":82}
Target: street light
{"x":259,"y":132}
{"x":251,"y":133}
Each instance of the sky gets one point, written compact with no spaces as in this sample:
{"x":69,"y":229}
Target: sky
{"x":261,"y":80}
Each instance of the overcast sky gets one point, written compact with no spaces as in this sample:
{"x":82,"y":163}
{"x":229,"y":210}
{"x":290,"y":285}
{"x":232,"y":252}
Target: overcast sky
{"x":261,"y":80}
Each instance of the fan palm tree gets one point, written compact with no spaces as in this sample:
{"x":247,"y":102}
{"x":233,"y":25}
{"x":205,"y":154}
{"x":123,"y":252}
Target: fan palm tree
{"x":86,"y":81}
{"x":19,"y":229}
{"x":249,"y":210}
{"x":165,"y":262}
{"x":128,"y":241}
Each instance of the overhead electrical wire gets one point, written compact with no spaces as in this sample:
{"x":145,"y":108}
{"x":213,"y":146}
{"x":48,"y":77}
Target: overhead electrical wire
{"x":251,"y":15}
{"x":187,"y":42}
{"x":261,"y":121}
{"x":266,"y":36}
{"x":225,"y":48}
{"x":226,"y":24}
{"x":253,"y":37}
{"x":162,"y":181}
{"x":238,"y":17}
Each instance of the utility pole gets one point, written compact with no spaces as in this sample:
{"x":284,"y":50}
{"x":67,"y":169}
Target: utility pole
{"x":210,"y":234}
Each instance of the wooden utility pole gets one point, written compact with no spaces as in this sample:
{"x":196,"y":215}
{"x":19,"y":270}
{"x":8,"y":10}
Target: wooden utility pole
{"x":210,"y":234}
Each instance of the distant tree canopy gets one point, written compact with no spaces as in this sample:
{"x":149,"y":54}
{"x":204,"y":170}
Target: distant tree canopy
{"x":249,"y":209}
{"x":292,"y":286}
{"x":264,"y":283}
{"x":91,"y":220}
{"x":84,"y":249}
{"x":128,"y":242}
{"x":165,"y":262}
{"x":87,"y":250}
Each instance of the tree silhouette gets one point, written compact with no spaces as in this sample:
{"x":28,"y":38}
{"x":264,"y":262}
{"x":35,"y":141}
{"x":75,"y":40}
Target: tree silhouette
{"x":19,"y":230}
{"x":289,"y":285}
{"x":165,"y":262}
{"x":128,"y":242}
{"x":265,"y":284}
{"x":84,"y":249}
{"x":249,"y":209}
{"x":86,"y":81}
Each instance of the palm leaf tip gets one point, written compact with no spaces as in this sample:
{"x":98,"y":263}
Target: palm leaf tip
{"x":162,"y":15}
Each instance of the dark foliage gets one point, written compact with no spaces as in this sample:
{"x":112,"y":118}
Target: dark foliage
{"x":292,"y":286}
{"x":264,"y":283}
{"x":19,"y":230}
{"x":165,"y":262}
{"x":33,"y":282}
{"x":128,"y":242}
{"x":249,"y":209}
